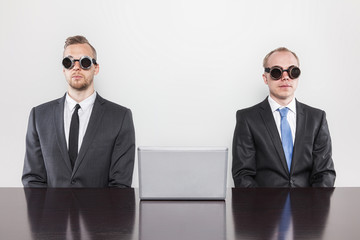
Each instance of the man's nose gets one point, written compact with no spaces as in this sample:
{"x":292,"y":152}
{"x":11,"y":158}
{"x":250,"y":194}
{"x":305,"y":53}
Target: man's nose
{"x":76,"y":65}
{"x":285,"y":76}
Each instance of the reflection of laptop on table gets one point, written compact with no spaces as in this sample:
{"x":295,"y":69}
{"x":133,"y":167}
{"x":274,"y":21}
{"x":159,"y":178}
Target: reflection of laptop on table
{"x":178,"y":173}
{"x":182,"y":220}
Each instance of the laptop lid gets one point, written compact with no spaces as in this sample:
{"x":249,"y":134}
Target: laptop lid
{"x":182,"y":173}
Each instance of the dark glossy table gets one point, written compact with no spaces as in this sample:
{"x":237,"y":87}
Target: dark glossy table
{"x":332,"y":213}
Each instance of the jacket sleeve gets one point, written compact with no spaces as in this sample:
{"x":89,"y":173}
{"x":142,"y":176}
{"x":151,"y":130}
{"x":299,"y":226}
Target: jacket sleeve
{"x":323,"y":173}
{"x":122,"y":160}
{"x":244,"y":163}
{"x":34,"y":171}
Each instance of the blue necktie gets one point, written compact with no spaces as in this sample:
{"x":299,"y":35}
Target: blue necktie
{"x":286,"y":136}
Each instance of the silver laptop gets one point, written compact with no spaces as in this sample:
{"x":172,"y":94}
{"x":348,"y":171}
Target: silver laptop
{"x":182,"y":173}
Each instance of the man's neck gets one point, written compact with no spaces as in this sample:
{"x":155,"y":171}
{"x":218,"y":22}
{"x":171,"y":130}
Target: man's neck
{"x":282,"y":102}
{"x":79,"y":96}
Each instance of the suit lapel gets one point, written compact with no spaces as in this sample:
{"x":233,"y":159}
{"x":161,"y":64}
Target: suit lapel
{"x":94,"y":122}
{"x":268,"y":118}
{"x":59,"y":130}
{"x":299,"y":135}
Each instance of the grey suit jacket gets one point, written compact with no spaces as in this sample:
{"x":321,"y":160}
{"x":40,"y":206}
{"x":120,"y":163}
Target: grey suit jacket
{"x":258,"y":156}
{"x":106,"y":156}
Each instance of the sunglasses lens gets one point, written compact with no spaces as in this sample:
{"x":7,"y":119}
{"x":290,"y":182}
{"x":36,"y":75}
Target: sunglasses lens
{"x":276,"y":73}
{"x":85,"y":63}
{"x":67,"y":63}
{"x":295,"y":72}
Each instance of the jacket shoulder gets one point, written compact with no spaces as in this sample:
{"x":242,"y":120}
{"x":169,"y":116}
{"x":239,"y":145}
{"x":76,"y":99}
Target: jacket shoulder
{"x":253,"y":110}
{"x":301,"y":107}
{"x":113,"y":105}
{"x":48,"y":105}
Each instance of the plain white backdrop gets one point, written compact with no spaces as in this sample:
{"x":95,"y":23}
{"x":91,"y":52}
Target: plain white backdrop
{"x":182,"y":66}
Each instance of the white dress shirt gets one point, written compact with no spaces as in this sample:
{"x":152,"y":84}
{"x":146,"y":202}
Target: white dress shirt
{"x":84,"y":112}
{"x":291,"y":116}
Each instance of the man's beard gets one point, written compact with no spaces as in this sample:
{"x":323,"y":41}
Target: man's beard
{"x":85,"y":85}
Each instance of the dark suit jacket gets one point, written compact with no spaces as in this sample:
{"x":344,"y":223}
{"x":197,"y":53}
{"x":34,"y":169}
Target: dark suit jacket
{"x":258,"y":156}
{"x":106,"y":156}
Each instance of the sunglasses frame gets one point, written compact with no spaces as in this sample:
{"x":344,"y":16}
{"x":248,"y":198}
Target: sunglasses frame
{"x":92,"y":61}
{"x":289,"y":71}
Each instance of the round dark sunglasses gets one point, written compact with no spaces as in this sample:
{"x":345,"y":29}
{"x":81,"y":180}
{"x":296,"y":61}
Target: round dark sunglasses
{"x":276,"y":72}
{"x":85,"y":62}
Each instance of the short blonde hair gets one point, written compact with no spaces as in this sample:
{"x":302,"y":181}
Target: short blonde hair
{"x":280,"y":49}
{"x":78,"y":40}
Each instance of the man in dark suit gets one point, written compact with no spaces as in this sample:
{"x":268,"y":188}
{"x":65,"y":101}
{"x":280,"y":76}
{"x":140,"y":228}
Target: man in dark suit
{"x":81,"y":139}
{"x":281,"y":142}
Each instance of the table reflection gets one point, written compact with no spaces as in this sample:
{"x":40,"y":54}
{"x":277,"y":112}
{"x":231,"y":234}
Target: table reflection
{"x":182,"y":220}
{"x":280,"y":213}
{"x":80,"y":213}
{"x":310,"y":211}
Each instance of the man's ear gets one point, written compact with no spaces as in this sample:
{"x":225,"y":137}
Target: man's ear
{"x":97,"y":69}
{"x":265,"y":79}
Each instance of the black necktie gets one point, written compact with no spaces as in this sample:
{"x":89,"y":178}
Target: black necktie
{"x":74,"y":136}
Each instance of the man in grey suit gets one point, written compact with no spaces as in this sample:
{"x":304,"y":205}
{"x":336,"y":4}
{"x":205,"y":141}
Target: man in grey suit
{"x":281,"y":142}
{"x":81,"y":139}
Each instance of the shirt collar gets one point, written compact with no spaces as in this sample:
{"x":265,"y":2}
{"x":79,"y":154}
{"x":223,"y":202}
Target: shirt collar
{"x":275,"y":106}
{"x":85,"y":104}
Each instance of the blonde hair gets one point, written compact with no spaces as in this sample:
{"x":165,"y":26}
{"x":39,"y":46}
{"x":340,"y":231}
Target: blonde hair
{"x":78,"y":40}
{"x":280,"y":49}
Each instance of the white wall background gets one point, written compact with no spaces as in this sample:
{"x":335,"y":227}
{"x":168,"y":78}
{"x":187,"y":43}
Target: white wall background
{"x":183,"y":66}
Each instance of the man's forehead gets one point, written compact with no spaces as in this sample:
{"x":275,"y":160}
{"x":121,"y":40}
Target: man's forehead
{"x":78,"y":49}
{"x":282,"y":58}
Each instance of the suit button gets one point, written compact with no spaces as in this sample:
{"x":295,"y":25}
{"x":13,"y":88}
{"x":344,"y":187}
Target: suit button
{"x":73,"y":181}
{"x":292,"y":183}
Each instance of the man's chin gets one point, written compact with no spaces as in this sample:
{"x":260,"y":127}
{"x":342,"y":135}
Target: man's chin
{"x":79,"y":87}
{"x":283,"y":96}
{"x":286,"y":97}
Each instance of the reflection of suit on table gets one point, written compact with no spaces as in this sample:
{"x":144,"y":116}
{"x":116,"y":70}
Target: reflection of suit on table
{"x":80,"y":213}
{"x":265,"y":208}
